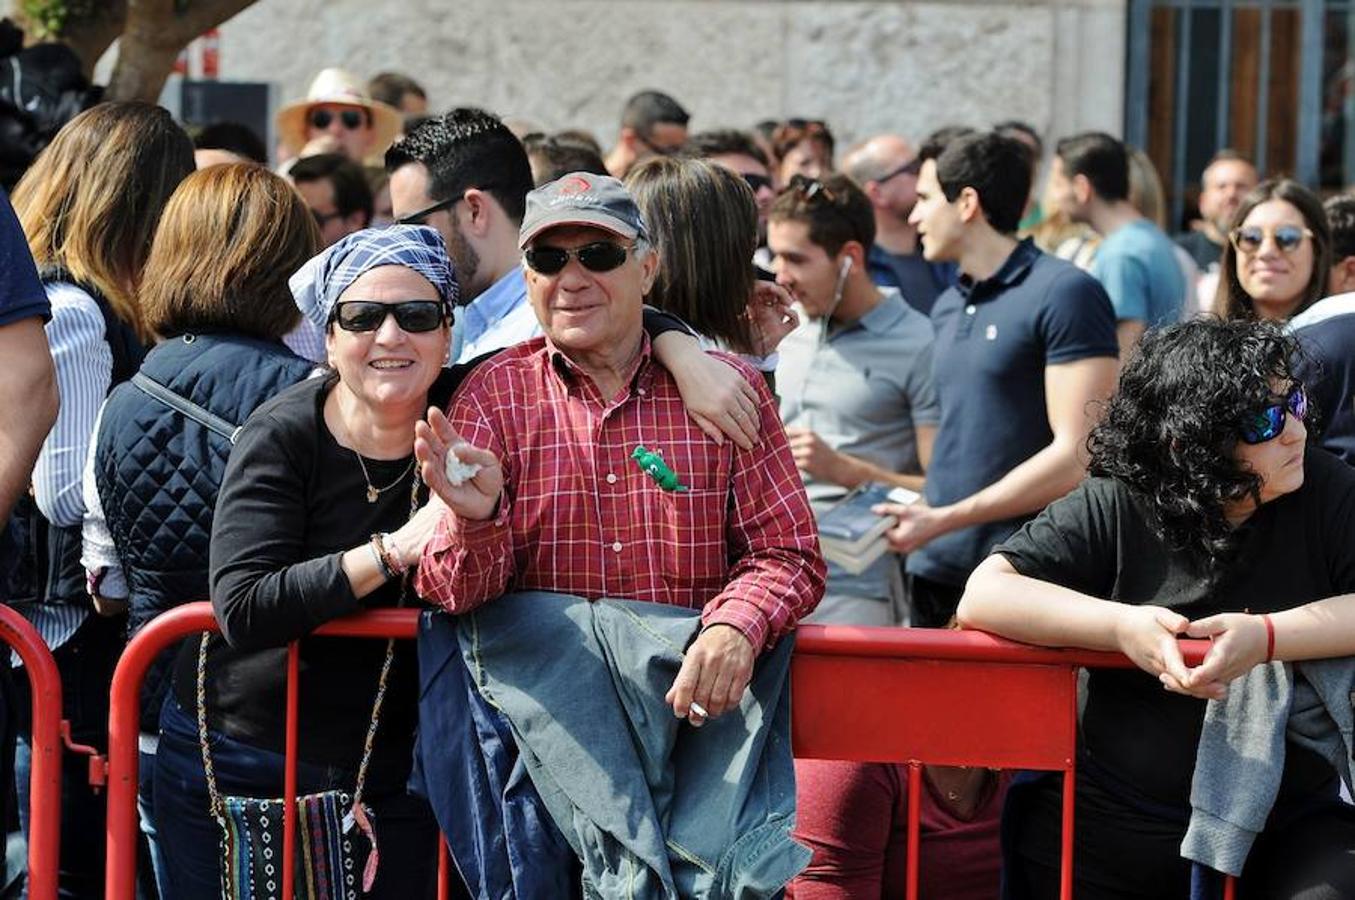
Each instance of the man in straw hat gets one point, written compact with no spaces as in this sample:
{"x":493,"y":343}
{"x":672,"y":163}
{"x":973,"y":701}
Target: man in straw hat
{"x":337,"y":107}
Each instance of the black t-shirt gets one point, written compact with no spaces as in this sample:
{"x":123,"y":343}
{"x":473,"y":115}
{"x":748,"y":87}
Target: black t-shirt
{"x":1205,"y":252}
{"x":1102,"y":540}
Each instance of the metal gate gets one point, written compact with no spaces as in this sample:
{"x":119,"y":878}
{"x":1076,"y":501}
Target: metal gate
{"x":1272,"y":79}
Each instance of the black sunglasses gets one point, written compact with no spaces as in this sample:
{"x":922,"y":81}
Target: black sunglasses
{"x":413,"y":316}
{"x":351,"y":119}
{"x":909,"y":168}
{"x":418,"y":218}
{"x":323,"y":219}
{"x":599,"y":256}
{"x":757,"y":182}
{"x":657,"y":149}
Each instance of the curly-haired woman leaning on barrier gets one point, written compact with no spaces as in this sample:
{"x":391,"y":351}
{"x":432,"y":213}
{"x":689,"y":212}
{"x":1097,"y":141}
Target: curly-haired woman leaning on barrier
{"x":1204,"y":514}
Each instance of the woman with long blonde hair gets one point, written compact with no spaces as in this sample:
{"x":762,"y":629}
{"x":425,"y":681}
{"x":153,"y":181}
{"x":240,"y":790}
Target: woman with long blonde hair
{"x":89,"y":206}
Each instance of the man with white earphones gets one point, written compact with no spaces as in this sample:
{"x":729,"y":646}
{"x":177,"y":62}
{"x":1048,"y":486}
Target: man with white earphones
{"x":854,"y":378}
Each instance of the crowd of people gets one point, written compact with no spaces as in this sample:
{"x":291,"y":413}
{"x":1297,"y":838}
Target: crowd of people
{"x":584,"y":406}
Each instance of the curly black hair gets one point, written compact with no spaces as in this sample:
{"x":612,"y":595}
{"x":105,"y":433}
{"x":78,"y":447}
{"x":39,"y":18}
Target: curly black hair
{"x":1172,"y":429}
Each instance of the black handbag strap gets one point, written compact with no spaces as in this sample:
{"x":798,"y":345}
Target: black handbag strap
{"x":183,"y":405}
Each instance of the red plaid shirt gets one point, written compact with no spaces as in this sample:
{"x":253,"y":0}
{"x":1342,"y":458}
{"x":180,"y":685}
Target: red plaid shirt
{"x":578,"y":515}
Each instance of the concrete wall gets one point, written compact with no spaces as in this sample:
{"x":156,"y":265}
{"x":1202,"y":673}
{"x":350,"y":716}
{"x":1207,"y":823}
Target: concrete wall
{"x":865,"y":67}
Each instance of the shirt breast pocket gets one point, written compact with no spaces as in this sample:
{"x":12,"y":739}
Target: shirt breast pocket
{"x":694,"y":549}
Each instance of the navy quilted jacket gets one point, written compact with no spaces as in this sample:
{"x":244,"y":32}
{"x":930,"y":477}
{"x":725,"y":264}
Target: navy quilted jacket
{"x":158,"y":472}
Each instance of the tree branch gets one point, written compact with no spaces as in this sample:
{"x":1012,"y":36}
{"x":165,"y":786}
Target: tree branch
{"x":154,"y":34}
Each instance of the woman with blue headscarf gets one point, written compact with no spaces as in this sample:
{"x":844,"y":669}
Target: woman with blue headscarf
{"x":320,"y":514}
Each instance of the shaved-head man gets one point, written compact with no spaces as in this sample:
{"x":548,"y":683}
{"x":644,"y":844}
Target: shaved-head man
{"x":885,"y":167}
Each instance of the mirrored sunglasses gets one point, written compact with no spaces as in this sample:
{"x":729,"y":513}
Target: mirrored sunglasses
{"x":1269,"y":423}
{"x":1248,"y":239}
{"x":413,"y":316}
{"x":351,"y":119}
{"x":600,"y":256}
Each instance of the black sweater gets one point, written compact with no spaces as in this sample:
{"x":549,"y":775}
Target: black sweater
{"x":292,"y":502}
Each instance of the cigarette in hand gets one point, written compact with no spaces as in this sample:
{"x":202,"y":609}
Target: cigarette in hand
{"x":699,"y":710}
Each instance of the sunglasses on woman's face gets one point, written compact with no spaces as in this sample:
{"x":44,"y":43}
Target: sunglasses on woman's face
{"x":757,"y":182}
{"x":351,"y":119}
{"x":599,"y":256}
{"x":1249,"y":238}
{"x":413,"y":316}
{"x":1269,"y":423}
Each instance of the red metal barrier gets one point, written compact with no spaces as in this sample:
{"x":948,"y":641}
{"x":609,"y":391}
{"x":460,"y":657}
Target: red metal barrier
{"x":44,"y":814}
{"x":916,"y":696}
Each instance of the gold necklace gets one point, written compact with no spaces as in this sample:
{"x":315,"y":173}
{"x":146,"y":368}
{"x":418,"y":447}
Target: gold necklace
{"x":372,"y":490}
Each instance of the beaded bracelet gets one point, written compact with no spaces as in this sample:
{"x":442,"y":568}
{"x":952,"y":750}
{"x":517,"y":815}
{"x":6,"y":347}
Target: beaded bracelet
{"x":388,"y":554}
{"x":377,"y":553}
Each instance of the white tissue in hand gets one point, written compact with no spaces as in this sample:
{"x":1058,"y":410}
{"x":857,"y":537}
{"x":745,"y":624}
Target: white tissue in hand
{"x":459,"y":472}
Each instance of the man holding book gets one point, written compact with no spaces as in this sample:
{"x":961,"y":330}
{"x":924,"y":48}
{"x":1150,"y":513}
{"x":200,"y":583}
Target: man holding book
{"x":856,"y":389}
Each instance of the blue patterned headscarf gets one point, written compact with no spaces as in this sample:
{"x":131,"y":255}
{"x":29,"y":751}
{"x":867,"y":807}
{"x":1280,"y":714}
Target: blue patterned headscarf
{"x":317,"y":285}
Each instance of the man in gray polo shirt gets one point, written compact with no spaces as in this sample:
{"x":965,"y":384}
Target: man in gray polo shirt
{"x":854,"y":378}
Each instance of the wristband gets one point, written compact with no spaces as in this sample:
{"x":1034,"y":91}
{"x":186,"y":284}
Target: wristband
{"x":375,"y":546}
{"x":393,"y":562}
{"x":1270,"y":636}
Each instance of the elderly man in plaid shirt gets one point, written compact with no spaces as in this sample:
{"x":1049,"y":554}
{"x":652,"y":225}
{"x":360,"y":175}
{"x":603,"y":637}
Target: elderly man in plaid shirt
{"x":593,"y":480}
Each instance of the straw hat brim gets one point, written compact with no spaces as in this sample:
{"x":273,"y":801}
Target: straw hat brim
{"x":386,"y":122}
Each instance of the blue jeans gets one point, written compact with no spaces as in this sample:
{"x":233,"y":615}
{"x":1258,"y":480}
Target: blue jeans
{"x":145,"y":809}
{"x":189,"y":837}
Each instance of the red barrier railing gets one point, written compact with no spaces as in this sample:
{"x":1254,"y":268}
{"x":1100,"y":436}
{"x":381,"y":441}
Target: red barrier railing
{"x":916,"y":696}
{"x":44,"y":814}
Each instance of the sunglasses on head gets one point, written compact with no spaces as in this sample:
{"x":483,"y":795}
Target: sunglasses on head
{"x":1269,"y":423}
{"x":413,"y":316}
{"x":810,"y":189}
{"x":1249,"y":238}
{"x":599,"y":256}
{"x":351,"y":119}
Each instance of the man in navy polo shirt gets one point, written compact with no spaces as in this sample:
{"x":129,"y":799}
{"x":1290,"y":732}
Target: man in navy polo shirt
{"x":1025,"y":345}
{"x":1327,"y":332}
